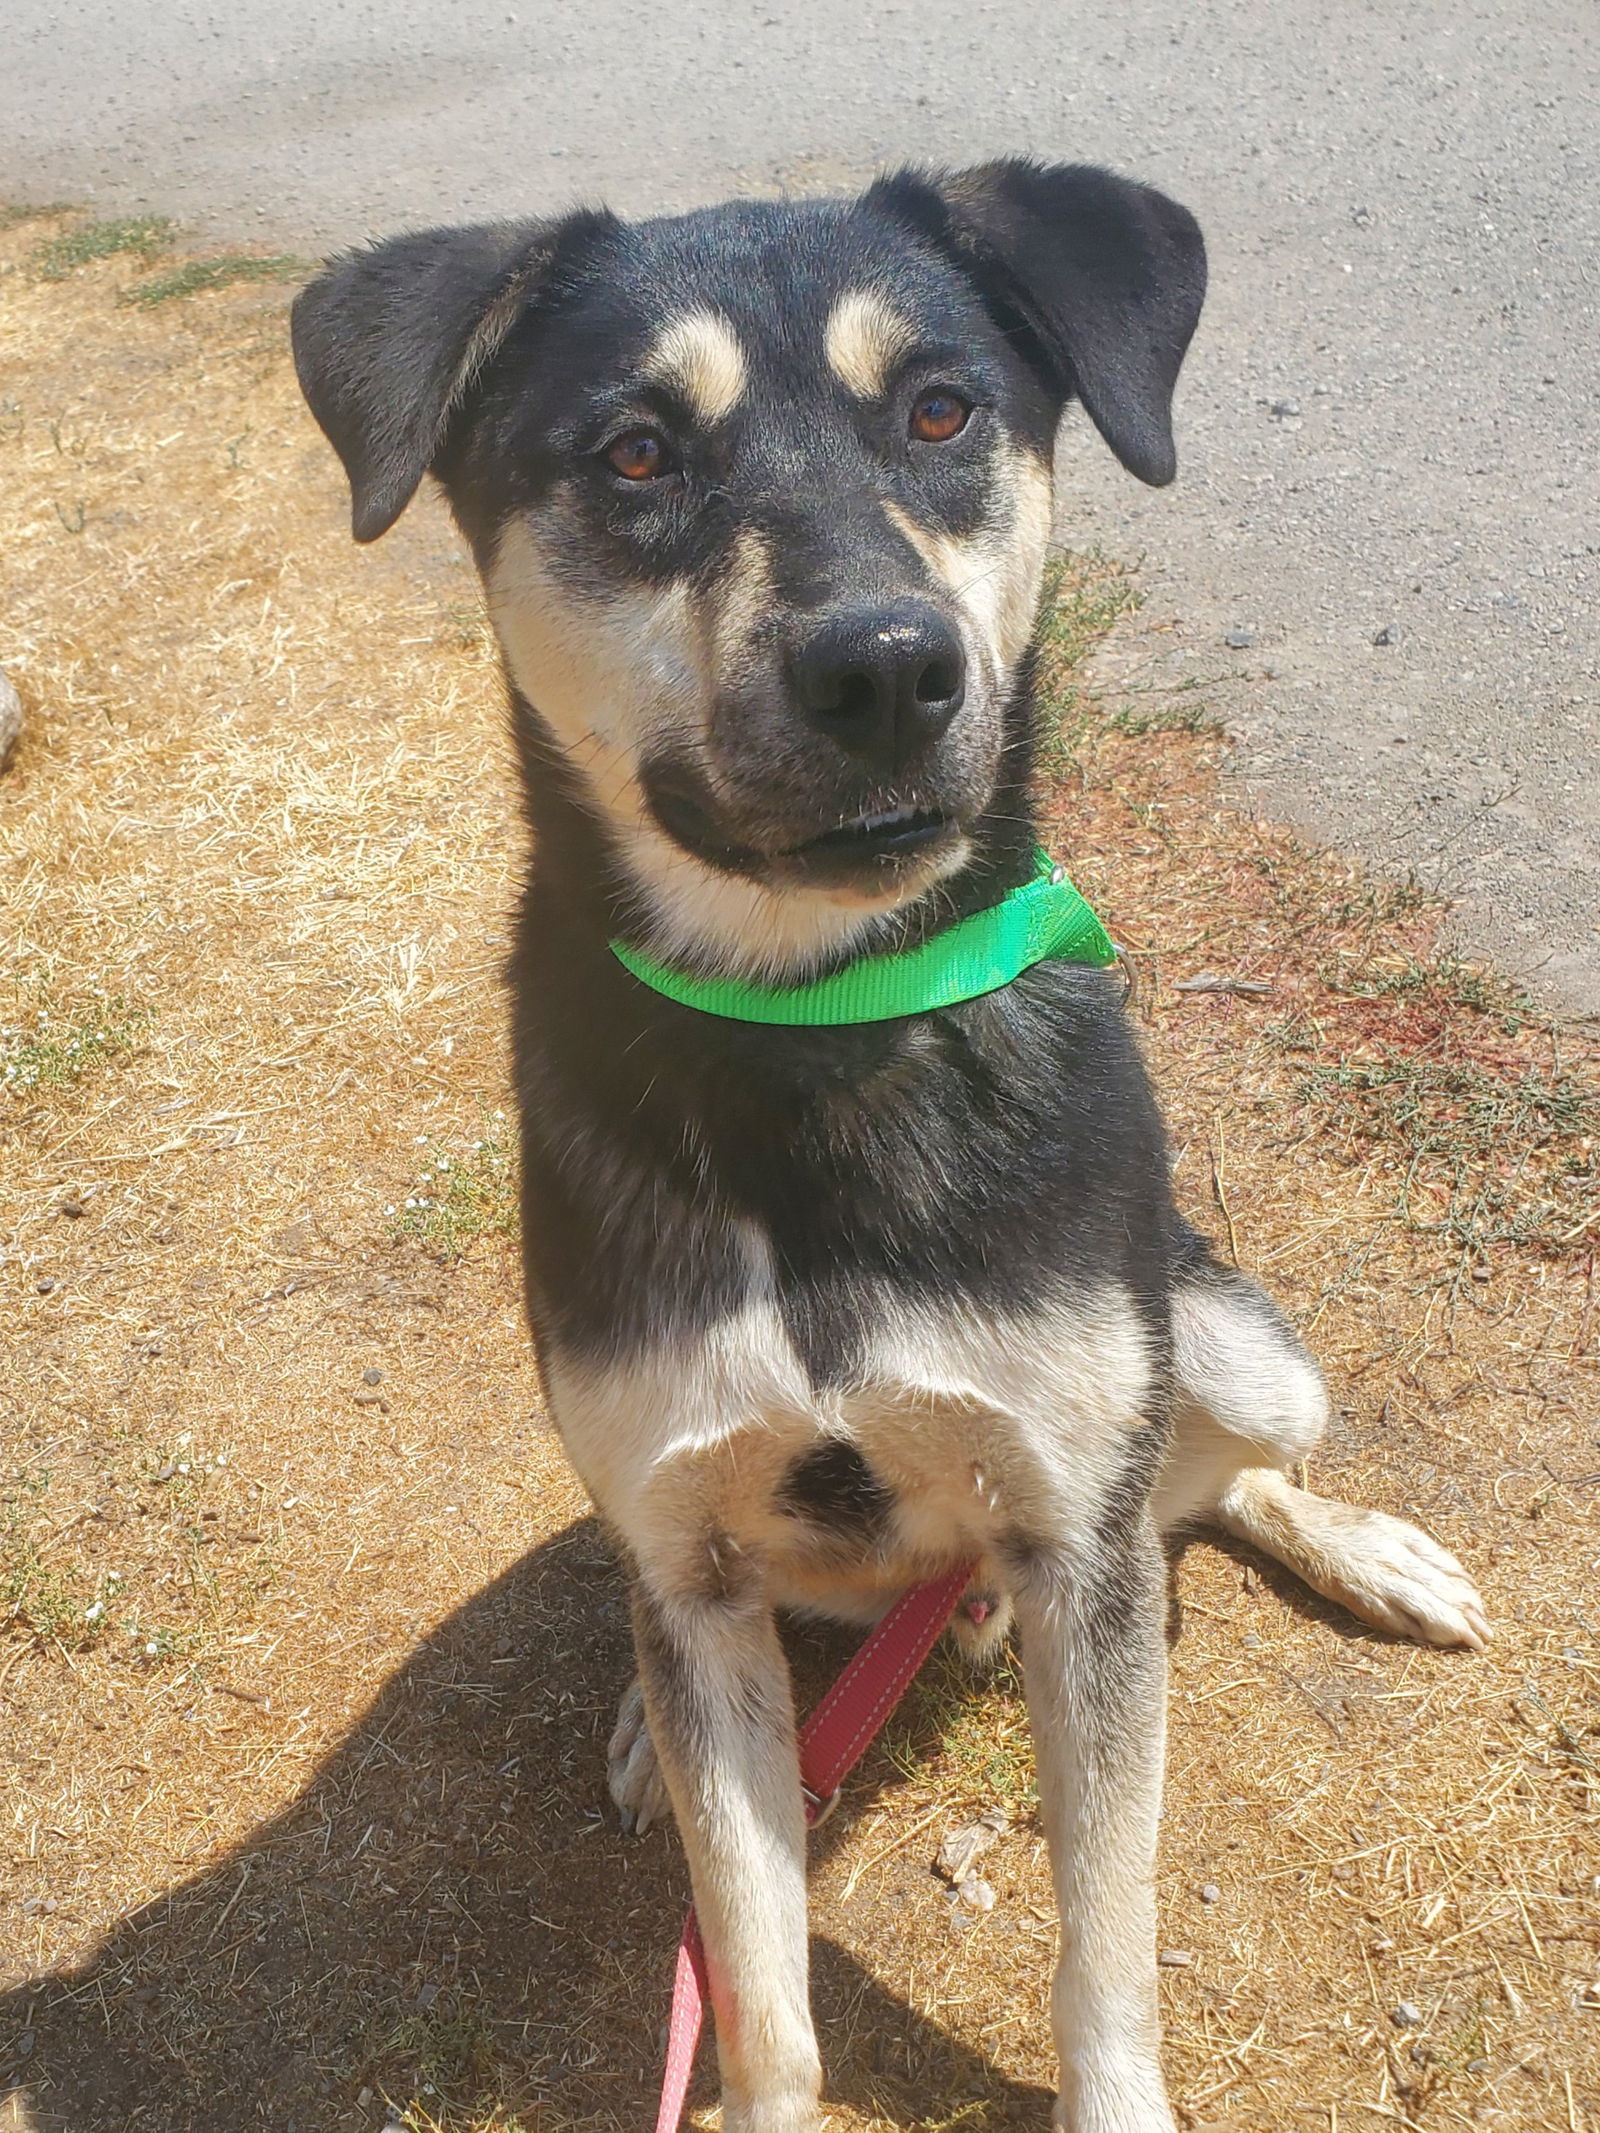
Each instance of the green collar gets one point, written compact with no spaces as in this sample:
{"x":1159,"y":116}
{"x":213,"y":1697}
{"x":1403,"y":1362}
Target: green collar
{"x":1046,"y":919}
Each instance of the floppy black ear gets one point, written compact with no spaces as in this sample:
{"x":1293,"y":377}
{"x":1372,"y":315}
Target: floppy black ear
{"x":1105,"y":277}
{"x":388,"y":340}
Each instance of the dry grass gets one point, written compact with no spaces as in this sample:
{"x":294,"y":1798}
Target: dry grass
{"x":308,"y":1814}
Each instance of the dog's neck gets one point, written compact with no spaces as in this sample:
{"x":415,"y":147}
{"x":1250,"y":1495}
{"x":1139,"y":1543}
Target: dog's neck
{"x":623,"y":880}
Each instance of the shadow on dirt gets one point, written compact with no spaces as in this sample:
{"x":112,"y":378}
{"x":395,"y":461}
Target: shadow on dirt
{"x":445,"y":1919}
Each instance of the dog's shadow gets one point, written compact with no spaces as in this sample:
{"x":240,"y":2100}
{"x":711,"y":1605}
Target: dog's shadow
{"x":444,"y":1919}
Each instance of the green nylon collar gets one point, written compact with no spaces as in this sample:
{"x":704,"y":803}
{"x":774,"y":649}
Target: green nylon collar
{"x":1044,"y":920}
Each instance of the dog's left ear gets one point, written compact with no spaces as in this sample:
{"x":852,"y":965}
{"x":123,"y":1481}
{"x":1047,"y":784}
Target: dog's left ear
{"x":1104,"y":279}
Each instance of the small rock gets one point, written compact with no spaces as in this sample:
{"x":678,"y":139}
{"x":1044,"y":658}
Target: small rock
{"x":1389,"y":634}
{"x":1251,"y":1644}
{"x":427,"y":1996}
{"x":25,"y":2044}
{"x":964,"y":1847}
{"x":164,"y":1473}
{"x":1477,"y":2066}
{"x":1175,"y":1958}
{"x":1239,"y":640}
{"x":1211,"y":1893}
{"x":975,"y":1893}
{"x":74,"y":1210}
{"x":365,"y":1396}
{"x":372,"y":1377}
{"x":10,"y":718}
{"x":1482,"y":1273}
{"x":1408,"y":2015}
{"x":1285,"y":410}
{"x":44,"y":1287}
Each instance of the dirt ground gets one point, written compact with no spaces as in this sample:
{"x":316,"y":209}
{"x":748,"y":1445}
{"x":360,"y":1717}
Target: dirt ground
{"x":310,"y":1646}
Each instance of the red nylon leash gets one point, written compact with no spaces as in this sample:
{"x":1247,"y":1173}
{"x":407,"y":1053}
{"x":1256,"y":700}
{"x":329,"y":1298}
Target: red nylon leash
{"x":832,"y":1741}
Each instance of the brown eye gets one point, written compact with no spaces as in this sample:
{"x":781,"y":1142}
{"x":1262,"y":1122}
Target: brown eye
{"x":939,"y":416}
{"x":639,"y":455}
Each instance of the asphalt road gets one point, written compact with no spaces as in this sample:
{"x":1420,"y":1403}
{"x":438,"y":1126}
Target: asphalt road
{"x":1389,"y":423}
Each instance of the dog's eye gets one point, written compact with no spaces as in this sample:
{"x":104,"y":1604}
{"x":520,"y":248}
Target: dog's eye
{"x":640,"y":455}
{"x":938,"y":416}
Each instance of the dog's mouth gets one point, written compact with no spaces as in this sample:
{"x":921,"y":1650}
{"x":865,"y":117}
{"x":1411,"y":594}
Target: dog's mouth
{"x":881,"y":842}
{"x":886,"y":832}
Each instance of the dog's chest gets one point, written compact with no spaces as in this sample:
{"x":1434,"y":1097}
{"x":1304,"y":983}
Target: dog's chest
{"x":962,"y":1424}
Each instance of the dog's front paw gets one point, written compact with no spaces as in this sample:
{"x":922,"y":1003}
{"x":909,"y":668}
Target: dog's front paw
{"x":632,"y":1771}
{"x":1394,"y":1576}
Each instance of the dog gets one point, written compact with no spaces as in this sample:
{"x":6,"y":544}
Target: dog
{"x":760,"y":496}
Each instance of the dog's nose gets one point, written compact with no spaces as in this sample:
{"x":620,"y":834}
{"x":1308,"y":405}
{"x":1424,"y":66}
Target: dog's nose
{"x":884,"y":682}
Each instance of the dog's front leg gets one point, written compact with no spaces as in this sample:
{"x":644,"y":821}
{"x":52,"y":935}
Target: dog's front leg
{"x":716,"y":1692}
{"x":1094,"y":1661}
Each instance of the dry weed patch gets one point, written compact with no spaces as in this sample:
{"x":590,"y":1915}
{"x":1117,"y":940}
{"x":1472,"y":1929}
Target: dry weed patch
{"x":308,"y":1648}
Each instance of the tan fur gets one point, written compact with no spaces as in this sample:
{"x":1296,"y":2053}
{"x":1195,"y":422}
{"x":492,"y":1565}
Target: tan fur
{"x":744,"y":598}
{"x":866,"y":337}
{"x":609,"y":676}
{"x":1383,"y":1569}
{"x":993,"y":575}
{"x":699,"y":356}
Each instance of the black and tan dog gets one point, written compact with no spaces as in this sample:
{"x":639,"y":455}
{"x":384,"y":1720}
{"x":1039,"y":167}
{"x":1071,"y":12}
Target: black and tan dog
{"x":760,"y":497}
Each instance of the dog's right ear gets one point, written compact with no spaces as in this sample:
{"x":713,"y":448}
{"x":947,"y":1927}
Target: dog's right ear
{"x":389,"y":341}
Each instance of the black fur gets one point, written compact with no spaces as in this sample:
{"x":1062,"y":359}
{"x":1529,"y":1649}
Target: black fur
{"x":833,"y":1487}
{"x":993,"y":1152}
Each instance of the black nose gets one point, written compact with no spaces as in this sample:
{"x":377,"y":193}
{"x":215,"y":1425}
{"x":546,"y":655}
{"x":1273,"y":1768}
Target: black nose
{"x":884,"y":682}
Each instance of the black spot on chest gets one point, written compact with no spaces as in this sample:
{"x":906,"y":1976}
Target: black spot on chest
{"x":833,"y":1486}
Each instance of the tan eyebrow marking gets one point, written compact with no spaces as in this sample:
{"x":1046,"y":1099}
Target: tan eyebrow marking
{"x":700,"y":356}
{"x":865,"y":338}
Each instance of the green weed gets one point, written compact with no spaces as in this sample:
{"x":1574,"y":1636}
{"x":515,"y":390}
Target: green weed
{"x":1490,"y":1159}
{"x":44,"y":1599}
{"x":967,"y":1734}
{"x":58,"y":1046}
{"x":15,"y":211}
{"x":1190,"y":716}
{"x":1085,"y":596}
{"x":1443,"y":979}
{"x":197,"y":275}
{"x":442,"y":2057}
{"x":142,"y":235}
{"x":458,"y":1199}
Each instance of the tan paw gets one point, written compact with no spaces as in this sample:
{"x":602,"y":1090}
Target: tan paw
{"x":632,"y":1772}
{"x":1394,"y":1576}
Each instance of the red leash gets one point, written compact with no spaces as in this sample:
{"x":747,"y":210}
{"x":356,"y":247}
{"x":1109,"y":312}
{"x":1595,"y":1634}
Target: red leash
{"x":832,"y":1741}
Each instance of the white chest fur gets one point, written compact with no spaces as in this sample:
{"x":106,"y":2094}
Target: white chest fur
{"x":976,"y":1425}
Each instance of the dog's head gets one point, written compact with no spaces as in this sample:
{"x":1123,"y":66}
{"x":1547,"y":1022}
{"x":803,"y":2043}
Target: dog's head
{"x":760,"y":496}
